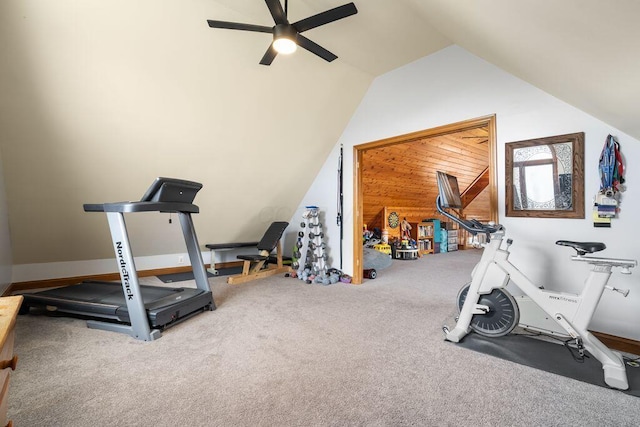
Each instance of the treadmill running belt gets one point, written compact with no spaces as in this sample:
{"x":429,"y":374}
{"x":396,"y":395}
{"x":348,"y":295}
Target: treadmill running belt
{"x":107,"y":300}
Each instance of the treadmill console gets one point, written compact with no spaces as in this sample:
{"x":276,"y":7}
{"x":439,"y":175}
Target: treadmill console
{"x":171,"y":190}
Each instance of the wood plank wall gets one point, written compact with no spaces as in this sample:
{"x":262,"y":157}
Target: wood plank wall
{"x":404,"y":175}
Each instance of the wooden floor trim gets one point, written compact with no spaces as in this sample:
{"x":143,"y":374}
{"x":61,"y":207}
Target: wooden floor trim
{"x":618,"y":343}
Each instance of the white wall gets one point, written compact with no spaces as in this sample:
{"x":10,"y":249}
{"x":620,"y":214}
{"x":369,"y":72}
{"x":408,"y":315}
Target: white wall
{"x":99,"y":98}
{"x":453,"y":85}
{"x":5,"y":240}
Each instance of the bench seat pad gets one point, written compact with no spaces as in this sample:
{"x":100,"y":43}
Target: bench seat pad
{"x":253,"y":257}
{"x":230,"y":245}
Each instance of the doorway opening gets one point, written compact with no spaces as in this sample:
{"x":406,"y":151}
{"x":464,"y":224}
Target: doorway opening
{"x":385,"y":168}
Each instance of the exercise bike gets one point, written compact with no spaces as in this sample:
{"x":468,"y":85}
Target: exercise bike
{"x":490,"y":310}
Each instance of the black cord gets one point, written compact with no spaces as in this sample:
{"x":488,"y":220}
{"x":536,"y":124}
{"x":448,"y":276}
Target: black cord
{"x":339,"y":219}
{"x":580,"y":357}
{"x":565,"y":342}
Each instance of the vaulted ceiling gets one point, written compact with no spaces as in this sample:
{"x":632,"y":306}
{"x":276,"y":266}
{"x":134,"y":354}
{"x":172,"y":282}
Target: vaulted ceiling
{"x":584,"y":52}
{"x":84,"y":81}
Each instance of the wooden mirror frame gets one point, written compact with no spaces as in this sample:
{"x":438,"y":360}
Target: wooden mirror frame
{"x":577,"y":177}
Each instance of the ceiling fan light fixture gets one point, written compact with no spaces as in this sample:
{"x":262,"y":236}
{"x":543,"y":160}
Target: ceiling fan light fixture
{"x":284,"y":45}
{"x":284,"y":39}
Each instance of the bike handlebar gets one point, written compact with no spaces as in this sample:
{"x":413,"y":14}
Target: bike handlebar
{"x":473,"y":226}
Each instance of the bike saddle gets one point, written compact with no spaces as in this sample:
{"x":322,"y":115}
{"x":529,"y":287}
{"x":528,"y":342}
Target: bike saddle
{"x":583,"y":247}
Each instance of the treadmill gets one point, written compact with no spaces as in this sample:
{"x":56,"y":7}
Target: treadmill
{"x":128,"y":307}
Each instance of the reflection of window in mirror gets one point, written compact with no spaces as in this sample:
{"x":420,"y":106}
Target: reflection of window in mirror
{"x":542,"y":177}
{"x":545,"y":177}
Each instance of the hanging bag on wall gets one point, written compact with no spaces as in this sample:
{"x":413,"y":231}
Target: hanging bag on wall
{"x":611,"y":171}
{"x":611,"y":168}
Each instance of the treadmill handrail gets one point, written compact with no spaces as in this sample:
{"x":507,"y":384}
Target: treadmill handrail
{"x":128,"y":207}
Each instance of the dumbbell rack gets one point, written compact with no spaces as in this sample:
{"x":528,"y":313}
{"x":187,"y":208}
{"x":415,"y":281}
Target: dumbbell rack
{"x":310,"y":246}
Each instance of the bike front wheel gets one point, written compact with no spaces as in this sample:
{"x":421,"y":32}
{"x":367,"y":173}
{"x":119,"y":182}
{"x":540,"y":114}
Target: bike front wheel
{"x":502,"y":317}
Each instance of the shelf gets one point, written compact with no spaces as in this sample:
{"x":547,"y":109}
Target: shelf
{"x":422,"y":233}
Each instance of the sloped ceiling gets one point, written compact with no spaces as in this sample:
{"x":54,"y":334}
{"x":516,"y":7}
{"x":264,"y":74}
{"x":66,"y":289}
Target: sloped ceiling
{"x":383,"y":35}
{"x":585,"y":52}
{"x":94,"y":90}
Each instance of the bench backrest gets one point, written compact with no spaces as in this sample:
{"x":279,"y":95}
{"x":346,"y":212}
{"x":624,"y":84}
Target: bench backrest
{"x":272,"y":236}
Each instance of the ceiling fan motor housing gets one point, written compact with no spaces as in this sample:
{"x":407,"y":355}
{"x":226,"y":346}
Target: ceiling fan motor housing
{"x":285,"y":31}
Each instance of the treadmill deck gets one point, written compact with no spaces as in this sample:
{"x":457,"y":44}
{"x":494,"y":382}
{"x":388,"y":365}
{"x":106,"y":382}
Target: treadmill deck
{"x":106,"y":300}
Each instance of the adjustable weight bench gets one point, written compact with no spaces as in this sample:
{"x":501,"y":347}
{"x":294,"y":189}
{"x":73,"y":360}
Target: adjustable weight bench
{"x":254,"y":265}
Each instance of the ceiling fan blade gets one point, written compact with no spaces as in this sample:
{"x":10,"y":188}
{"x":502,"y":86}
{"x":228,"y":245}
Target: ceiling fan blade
{"x":238,"y":26}
{"x":315,"y":48}
{"x":269,"y":56}
{"x":326,"y":17}
{"x":276,"y":11}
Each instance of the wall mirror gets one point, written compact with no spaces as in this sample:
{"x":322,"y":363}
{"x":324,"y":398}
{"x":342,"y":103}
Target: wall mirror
{"x":545,"y":177}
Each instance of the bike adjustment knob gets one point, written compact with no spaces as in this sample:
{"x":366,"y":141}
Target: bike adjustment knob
{"x":624,"y":292}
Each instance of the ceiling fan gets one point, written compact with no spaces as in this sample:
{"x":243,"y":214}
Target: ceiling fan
{"x":287,"y":36}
